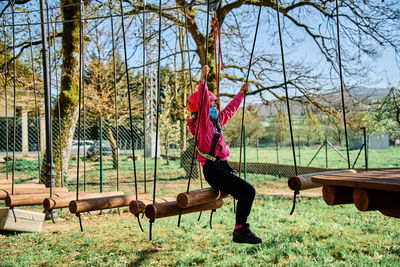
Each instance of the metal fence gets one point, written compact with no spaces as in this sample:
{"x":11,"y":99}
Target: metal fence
{"x":262,"y":154}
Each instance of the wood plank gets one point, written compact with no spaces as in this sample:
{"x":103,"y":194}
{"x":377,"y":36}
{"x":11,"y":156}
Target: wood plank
{"x":26,"y":191}
{"x":387,"y":180}
{"x":27,"y":221}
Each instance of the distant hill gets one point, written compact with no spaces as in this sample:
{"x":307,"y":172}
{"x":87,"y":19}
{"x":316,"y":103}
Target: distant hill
{"x":365,"y":95}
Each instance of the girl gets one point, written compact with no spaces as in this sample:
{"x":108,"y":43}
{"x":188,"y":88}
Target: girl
{"x":213,"y":153}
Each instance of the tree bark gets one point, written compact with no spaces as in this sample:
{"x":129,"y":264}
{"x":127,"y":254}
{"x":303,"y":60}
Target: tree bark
{"x":67,"y":105}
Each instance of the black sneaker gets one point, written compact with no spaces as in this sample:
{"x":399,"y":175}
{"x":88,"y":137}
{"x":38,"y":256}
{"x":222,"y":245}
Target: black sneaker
{"x":245,"y":235}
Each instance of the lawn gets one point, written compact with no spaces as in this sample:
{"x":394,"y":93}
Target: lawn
{"x":315,"y":235}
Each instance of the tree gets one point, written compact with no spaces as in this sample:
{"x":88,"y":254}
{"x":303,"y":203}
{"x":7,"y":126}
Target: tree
{"x":387,"y":112}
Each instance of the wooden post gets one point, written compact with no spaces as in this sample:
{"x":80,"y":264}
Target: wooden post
{"x":102,"y":203}
{"x":161,"y":210}
{"x":63,"y":202}
{"x":138,"y":206}
{"x":27,"y":191}
{"x":198,"y":197}
{"x":337,"y":195}
{"x":304,"y":182}
{"x":370,"y":199}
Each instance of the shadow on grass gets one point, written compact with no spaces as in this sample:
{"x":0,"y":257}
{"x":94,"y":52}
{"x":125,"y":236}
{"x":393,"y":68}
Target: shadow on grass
{"x":9,"y":233}
{"x":142,"y":256}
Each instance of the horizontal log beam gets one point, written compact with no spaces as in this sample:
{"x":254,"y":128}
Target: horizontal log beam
{"x":304,"y":182}
{"x":197,"y":197}
{"x":5,"y":181}
{"x":101,"y":203}
{"x":369,"y":199}
{"x":63,"y":202}
{"x":9,"y":186}
{"x":30,"y":200}
{"x":337,"y":195}
{"x":28,"y":191}
{"x":138,"y":206}
{"x":161,"y":210}
{"x":391,"y":213}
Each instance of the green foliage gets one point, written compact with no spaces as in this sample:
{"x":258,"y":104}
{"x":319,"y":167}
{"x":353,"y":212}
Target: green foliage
{"x":316,"y":235}
{"x":254,"y":127}
{"x":387,"y":113}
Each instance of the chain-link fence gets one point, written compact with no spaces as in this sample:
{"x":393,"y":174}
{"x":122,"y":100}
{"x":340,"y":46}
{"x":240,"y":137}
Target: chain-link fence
{"x":263,"y":154}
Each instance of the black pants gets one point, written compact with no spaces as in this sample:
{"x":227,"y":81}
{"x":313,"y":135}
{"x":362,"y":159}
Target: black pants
{"x":219,"y":175}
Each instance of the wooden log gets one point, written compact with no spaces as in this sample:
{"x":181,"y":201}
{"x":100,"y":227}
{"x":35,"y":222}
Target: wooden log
{"x":28,"y":191}
{"x":138,"y":206}
{"x":9,"y":186}
{"x":101,"y":203}
{"x":6,"y":181}
{"x":63,"y":202}
{"x":304,"y":182}
{"x":391,"y":213}
{"x":337,"y":195}
{"x":197,"y":197}
{"x":31,"y":199}
{"x":369,"y":199}
{"x":161,"y":210}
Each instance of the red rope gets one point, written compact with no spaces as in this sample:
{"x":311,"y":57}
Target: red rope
{"x":215,"y":24}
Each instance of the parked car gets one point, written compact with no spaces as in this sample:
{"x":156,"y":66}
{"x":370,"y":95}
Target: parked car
{"x":83,"y":147}
{"x":94,"y":150}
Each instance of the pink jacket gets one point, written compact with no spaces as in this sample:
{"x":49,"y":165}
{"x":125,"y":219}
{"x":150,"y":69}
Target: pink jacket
{"x":206,"y":129}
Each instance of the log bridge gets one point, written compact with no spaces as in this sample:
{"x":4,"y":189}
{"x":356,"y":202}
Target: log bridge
{"x":369,"y":190}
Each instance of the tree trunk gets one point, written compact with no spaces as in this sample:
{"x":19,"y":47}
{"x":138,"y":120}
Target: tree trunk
{"x":68,"y":99}
{"x":114,"y":145}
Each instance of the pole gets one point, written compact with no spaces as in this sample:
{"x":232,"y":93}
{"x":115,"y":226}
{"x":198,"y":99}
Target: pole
{"x":277,"y":154}
{"x":365,"y":147}
{"x":298,"y":145}
{"x":326,"y":152}
{"x":49,"y":173}
{"x":101,"y":155}
{"x":257,"y":149}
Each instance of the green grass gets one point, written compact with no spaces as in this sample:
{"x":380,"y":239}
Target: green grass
{"x":316,"y":235}
{"x":376,"y":158}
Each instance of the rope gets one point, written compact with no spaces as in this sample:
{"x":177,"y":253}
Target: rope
{"x":5,"y":91}
{"x":201,"y":107}
{"x":144,"y":99}
{"x":247,"y":78}
{"x":129,"y":96}
{"x":49,"y":60}
{"x":58,"y":105}
{"x":342,"y":85}
{"x":287,"y":102}
{"x":35,"y":96}
{"x":115,"y":87}
{"x":218,"y":66}
{"x":158,"y":107}
{"x":15,"y":108}
{"x":79,"y":106}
